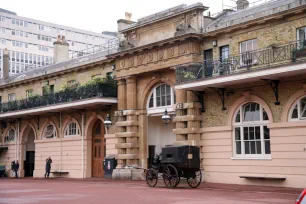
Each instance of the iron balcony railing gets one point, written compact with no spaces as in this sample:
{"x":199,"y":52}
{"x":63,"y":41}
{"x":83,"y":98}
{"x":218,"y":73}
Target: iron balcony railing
{"x":67,"y":95}
{"x":248,"y":61}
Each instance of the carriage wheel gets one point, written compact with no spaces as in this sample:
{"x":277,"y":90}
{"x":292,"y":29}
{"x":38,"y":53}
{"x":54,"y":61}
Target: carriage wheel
{"x":152,"y":177}
{"x":195,"y":180}
{"x":170,"y":176}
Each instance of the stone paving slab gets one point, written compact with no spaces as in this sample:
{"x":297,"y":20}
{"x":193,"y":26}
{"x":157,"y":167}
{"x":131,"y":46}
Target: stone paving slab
{"x":75,"y":191}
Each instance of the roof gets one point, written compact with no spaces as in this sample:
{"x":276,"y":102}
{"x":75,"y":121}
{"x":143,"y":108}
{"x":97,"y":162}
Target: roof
{"x":164,"y":14}
{"x":230,"y":18}
{"x":66,"y":65}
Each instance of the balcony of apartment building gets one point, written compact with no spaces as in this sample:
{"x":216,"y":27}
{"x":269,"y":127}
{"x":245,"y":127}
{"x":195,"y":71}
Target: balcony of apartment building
{"x":278,"y":61}
{"x":73,"y":98}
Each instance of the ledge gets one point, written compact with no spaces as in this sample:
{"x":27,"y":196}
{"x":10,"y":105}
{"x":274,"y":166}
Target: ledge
{"x":181,"y":131}
{"x":127,"y":156}
{"x":187,"y":118}
{"x":127,"y":134}
{"x":127,"y":123}
{"x":264,"y":178}
{"x":126,"y":145}
{"x":291,"y":124}
{"x":109,"y":136}
{"x":217,"y":129}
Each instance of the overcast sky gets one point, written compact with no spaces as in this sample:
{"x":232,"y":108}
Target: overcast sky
{"x":95,"y":15}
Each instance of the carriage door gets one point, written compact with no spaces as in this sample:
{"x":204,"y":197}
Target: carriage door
{"x":98,"y":149}
{"x":208,"y":63}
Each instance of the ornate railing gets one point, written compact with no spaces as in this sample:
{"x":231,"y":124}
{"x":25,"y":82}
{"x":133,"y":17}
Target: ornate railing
{"x":67,"y":95}
{"x":264,"y":58}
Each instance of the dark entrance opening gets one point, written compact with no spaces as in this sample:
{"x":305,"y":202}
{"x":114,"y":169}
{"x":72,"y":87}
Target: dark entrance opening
{"x":29,"y":163}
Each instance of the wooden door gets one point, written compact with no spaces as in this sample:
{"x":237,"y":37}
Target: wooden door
{"x":98,"y":149}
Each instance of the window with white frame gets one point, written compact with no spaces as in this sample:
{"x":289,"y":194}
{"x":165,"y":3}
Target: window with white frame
{"x":247,"y":56}
{"x":251,"y":134}
{"x":162,"y":96}
{"x":12,"y":97}
{"x":10,"y":136}
{"x":49,"y":132}
{"x":72,"y":129}
{"x":298,"y":110}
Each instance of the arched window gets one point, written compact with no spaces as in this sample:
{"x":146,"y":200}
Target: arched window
{"x":72,"y":129}
{"x":10,"y":135}
{"x":162,"y":96}
{"x":49,"y":131}
{"x":298,"y":110}
{"x":251,"y":134}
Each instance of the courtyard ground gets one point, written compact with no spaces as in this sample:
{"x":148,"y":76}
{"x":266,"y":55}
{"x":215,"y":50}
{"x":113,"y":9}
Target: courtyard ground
{"x":69,"y":191}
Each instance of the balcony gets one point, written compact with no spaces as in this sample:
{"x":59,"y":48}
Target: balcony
{"x":244,"y":65}
{"x":76,"y":98}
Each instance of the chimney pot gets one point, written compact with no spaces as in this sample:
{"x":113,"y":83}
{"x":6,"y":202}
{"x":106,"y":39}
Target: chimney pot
{"x":242,"y":4}
{"x":128,"y":16}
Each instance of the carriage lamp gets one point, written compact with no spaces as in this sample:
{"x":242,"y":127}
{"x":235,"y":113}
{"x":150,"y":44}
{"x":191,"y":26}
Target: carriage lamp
{"x":166,"y":118}
{"x":108,"y":123}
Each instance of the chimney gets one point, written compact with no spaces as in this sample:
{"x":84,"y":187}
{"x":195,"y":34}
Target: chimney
{"x":242,"y":4}
{"x":61,"y":50}
{"x":128,"y":16}
{"x":6,"y":64}
{"x":122,"y":23}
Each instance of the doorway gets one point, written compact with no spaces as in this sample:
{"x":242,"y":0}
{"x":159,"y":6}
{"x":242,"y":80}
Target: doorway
{"x":29,"y":162}
{"x":98,"y":149}
{"x":159,"y":135}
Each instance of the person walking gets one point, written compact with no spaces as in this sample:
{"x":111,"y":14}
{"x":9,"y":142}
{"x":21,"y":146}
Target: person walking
{"x":48,"y":167}
{"x":13,"y":166}
{"x":16,"y":169}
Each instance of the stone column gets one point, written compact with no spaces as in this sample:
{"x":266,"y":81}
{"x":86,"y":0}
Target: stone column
{"x":121,"y":94}
{"x":195,"y":112}
{"x":181,"y":97}
{"x":121,"y":118}
{"x":131,"y":93}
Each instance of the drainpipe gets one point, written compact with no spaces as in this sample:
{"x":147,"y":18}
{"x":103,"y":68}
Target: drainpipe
{"x":60,"y":137}
{"x":83,"y":145}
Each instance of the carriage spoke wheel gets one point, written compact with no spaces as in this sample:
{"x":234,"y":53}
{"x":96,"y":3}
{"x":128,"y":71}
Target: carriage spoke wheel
{"x":170,"y":176}
{"x":195,"y":180}
{"x":152,"y":177}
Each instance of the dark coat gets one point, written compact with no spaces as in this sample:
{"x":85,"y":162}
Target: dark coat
{"x":48,"y":164}
{"x":16,"y":166}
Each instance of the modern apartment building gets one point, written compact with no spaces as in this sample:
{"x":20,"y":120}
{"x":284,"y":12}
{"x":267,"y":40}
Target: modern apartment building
{"x":30,"y":42}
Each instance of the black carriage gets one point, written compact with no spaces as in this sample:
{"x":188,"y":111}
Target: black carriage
{"x":174,"y":163}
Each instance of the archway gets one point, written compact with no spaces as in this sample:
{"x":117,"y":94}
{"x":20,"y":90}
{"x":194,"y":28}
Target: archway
{"x":159,"y":134}
{"x":28,"y":151}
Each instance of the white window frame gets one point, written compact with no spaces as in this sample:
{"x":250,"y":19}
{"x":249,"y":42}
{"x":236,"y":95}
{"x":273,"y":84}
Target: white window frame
{"x":298,"y":104}
{"x":12,"y":97}
{"x":298,"y":33}
{"x":261,"y":123}
{"x":159,"y":109}
{"x":54,"y":132}
{"x":67,"y":130}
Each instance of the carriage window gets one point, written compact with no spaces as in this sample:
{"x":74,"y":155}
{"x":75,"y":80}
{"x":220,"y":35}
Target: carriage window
{"x":10,"y":136}
{"x":49,"y":132}
{"x":298,"y":110}
{"x":72,"y":129}
{"x":251,"y":134}
{"x":161,"y":96}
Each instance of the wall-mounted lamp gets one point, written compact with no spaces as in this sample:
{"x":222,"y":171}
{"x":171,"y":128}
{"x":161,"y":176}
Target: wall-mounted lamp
{"x":166,"y":118}
{"x":108,"y":123}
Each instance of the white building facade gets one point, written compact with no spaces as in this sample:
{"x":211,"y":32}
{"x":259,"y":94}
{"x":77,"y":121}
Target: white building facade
{"x":30,"y":42}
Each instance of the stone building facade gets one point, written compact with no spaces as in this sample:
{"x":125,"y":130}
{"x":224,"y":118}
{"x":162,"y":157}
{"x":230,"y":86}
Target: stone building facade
{"x":233,"y":84}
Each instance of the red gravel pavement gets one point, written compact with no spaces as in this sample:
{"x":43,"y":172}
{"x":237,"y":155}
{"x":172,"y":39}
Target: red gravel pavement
{"x":66,"y":191}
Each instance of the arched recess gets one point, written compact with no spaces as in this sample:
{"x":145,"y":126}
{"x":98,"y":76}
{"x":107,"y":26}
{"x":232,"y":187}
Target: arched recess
{"x":150,"y":86}
{"x":7,"y":131}
{"x":28,"y":136}
{"x":290,"y":102}
{"x":247,"y":99}
{"x":90,"y":145}
{"x":154,"y":134}
{"x":67,"y":121}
